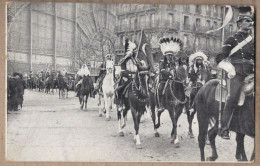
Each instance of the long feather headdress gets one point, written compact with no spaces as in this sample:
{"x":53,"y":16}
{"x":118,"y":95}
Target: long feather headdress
{"x":170,"y":45}
{"x":196,"y":55}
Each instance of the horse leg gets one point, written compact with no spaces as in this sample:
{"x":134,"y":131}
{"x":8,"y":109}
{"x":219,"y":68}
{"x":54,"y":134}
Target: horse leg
{"x":158,"y":119}
{"x":106,"y":99}
{"x":175,"y":114}
{"x":203,"y":127}
{"x":119,"y":117}
{"x":101,"y":105}
{"x":153,"y":115}
{"x":240,"y":151}
{"x":59,"y":93}
{"x":81,"y":101}
{"x":212,"y":136}
{"x":136,"y":118}
{"x":86,"y":101}
{"x":125,"y":110}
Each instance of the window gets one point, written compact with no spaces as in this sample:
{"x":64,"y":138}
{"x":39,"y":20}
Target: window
{"x":152,"y":18}
{"x":132,"y":22}
{"x":198,"y":9}
{"x":185,"y":40}
{"x":186,"y":8}
{"x":171,"y":18}
{"x":197,"y":22}
{"x":186,"y":22}
{"x":207,"y":42}
{"x":215,"y":25}
{"x":197,"y":42}
{"x":208,"y":10}
{"x":208,"y":23}
{"x":142,"y":21}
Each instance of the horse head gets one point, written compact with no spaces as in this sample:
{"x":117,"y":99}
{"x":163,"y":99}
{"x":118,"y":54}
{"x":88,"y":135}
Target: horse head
{"x":109,"y":67}
{"x":182,"y":72}
{"x":141,"y":82}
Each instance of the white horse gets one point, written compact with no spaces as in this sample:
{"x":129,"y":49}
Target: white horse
{"x":108,"y":90}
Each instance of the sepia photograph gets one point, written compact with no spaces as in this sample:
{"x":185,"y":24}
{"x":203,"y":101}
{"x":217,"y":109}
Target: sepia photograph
{"x":115,"y":82}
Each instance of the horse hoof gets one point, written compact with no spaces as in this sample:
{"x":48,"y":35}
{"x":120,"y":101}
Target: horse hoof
{"x":177,"y":145}
{"x":81,"y":108}
{"x":123,"y":126}
{"x":138,"y":146}
{"x":156,"y":134}
{"x":121,"y":134}
{"x":108,"y":119}
{"x":211,"y":158}
{"x":191,"y":135}
{"x":207,"y":142}
{"x":100,"y":115}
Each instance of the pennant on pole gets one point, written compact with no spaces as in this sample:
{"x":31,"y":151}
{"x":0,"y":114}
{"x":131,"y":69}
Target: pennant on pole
{"x":227,"y":19}
{"x":145,"y":52}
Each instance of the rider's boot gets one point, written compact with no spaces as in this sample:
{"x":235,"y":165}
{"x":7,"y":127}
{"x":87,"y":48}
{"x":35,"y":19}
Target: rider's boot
{"x":227,"y":113}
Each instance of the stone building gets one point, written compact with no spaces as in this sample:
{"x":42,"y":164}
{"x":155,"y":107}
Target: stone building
{"x":58,"y":35}
{"x":67,"y":35}
{"x":187,"y":22}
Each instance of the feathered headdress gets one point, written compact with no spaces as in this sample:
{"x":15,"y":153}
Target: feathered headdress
{"x":63,"y":72}
{"x":129,"y":47}
{"x":108,"y":56}
{"x":170,"y":45}
{"x":197,"y":55}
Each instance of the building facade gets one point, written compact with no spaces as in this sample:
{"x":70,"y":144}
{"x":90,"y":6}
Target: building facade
{"x":58,"y":35}
{"x":68,"y":35}
{"x":187,"y":22}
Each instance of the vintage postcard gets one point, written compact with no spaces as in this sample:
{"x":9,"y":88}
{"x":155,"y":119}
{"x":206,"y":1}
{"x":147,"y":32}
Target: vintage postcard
{"x":97,"y":82}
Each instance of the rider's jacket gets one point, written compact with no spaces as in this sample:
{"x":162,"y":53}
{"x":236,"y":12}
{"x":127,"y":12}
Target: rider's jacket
{"x":164,"y":68}
{"x":102,"y":72}
{"x":240,"y":58}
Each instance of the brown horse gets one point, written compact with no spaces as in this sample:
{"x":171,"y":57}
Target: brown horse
{"x":198,"y":79}
{"x":84,"y":91}
{"x":207,"y":109}
{"x":175,"y":101}
{"x":136,"y":101}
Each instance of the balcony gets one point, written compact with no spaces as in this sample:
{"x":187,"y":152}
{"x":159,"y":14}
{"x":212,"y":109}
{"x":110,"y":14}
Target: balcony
{"x":186,"y":8}
{"x":156,"y":24}
{"x":198,"y":10}
{"x":137,"y":9}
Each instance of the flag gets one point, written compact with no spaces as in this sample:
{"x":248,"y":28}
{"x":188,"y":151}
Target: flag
{"x":145,"y":52}
{"x":227,"y":19}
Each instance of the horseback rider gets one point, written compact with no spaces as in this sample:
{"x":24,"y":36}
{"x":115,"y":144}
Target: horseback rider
{"x":196,"y":63}
{"x":84,"y":71}
{"x":170,"y":48}
{"x":129,"y":66}
{"x":102,"y":72}
{"x":238,"y":55}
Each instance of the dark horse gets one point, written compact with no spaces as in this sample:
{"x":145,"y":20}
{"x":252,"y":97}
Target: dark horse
{"x":136,"y":101}
{"x":62,"y":86}
{"x":175,"y":101}
{"x":50,"y":84}
{"x":204,"y":75}
{"x":242,"y":121}
{"x":84,"y":91}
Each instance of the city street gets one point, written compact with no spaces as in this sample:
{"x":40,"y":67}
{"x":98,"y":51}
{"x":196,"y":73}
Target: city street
{"x":51,"y":129}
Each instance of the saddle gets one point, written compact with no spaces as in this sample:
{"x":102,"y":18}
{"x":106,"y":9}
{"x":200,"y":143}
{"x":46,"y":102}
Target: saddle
{"x":247,"y":89}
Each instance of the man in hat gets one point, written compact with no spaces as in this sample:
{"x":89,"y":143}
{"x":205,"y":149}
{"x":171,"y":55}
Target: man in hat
{"x":170,"y":48}
{"x":239,"y":51}
{"x":102,"y":72}
{"x":129,"y":66}
{"x":84,"y":71}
